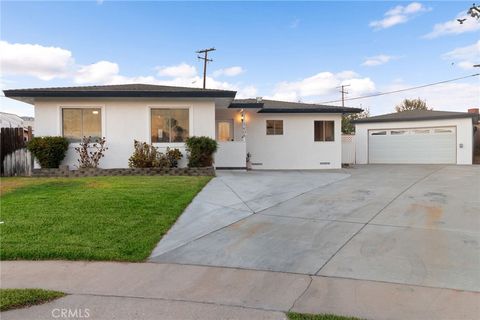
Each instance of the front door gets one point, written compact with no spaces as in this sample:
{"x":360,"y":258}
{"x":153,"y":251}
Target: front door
{"x":224,"y":130}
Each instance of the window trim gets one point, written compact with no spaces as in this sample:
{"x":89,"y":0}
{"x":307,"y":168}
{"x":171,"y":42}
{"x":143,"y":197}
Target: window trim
{"x":324,"y":126}
{"x":62,"y":106}
{"x":169,"y":106}
{"x":274,"y":133}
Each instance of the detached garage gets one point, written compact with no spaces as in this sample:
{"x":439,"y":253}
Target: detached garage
{"x":420,"y":136}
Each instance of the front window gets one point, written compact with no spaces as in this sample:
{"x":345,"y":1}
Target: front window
{"x":169,"y":125}
{"x":324,"y":131}
{"x":81,"y":122}
{"x":274,"y":127}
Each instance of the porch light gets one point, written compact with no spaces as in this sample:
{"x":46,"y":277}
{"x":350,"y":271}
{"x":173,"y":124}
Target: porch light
{"x":95,"y":112}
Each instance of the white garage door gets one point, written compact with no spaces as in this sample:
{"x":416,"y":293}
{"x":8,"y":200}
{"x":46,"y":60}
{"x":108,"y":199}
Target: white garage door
{"x":419,"y":145}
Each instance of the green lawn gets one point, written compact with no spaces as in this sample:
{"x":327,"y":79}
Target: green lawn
{"x":98,"y":218}
{"x":304,"y":316}
{"x":19,"y":298}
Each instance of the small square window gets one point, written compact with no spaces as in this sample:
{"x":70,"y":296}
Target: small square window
{"x":324,"y":130}
{"x":274,"y":127}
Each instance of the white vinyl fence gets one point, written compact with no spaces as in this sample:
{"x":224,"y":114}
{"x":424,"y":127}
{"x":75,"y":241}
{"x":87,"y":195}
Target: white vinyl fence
{"x":348,"y":148}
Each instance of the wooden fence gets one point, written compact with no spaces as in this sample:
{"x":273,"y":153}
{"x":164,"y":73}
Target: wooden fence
{"x":15,"y":160}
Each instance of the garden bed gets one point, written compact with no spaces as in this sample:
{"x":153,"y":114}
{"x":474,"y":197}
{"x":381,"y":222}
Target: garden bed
{"x":64,"y":171}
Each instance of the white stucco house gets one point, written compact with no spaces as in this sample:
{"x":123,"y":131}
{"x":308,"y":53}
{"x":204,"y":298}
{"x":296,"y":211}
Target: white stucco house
{"x":419,"y":136}
{"x":276,"y":134}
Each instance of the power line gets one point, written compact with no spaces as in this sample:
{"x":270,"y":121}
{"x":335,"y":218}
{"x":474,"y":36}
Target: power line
{"x":205,"y":60}
{"x":401,"y":90}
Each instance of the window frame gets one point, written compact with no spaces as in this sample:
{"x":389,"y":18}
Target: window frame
{"x":274,"y":133}
{"x":324,"y":131}
{"x":62,"y":107}
{"x":169,"y":107}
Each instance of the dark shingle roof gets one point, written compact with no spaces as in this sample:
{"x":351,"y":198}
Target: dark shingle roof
{"x":414,"y":115}
{"x":123,"y":90}
{"x":273,"y":106}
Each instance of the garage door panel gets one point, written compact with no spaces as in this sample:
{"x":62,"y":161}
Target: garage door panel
{"x":432,"y":147}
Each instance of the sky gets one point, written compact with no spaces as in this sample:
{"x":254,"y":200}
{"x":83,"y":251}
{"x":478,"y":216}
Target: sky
{"x":292,"y":51}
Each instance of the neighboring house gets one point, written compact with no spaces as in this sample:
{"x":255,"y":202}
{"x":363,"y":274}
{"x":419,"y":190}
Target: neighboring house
{"x":29,"y":122}
{"x":10,"y":120}
{"x":275,"y":134}
{"x":420,"y":136}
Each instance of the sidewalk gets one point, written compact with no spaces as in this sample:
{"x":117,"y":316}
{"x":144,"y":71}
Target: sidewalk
{"x":171,"y":291}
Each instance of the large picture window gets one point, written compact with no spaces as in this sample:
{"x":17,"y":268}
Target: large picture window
{"x":169,"y":125}
{"x":324,"y":131}
{"x":274,"y":127}
{"x":81,"y":122}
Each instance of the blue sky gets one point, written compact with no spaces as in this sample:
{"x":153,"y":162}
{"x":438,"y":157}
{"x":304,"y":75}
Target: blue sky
{"x":297,"y":51}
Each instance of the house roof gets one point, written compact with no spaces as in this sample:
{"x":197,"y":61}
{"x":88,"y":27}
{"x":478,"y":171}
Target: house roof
{"x":123,"y":90}
{"x":416,"y":115}
{"x":157,"y":91}
{"x":273,"y":106}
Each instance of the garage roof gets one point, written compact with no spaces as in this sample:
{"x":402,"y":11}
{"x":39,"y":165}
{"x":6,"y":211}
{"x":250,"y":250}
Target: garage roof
{"x":274,"y":106}
{"x":417,"y":115}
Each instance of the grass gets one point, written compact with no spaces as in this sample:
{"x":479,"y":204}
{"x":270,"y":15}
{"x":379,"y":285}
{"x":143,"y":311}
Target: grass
{"x":19,"y":298}
{"x":305,"y":316}
{"x":97,"y":218}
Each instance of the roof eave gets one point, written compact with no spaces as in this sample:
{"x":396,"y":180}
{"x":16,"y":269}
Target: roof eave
{"x":247,"y":105}
{"x":310,"y":110}
{"x":459,"y":116}
{"x":16,"y":94}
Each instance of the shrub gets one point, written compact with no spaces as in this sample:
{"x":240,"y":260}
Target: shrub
{"x":201,"y":150}
{"x":148,"y":156}
{"x":49,"y":151}
{"x":90,"y":159}
{"x":144,"y":155}
{"x":173,"y":155}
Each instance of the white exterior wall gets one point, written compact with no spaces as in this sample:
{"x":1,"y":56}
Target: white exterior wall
{"x":464,"y":135}
{"x":296,"y":148}
{"x":124,"y":120}
{"x":231,"y":154}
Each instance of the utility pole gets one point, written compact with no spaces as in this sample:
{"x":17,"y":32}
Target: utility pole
{"x":205,"y":60}
{"x":342,"y":90}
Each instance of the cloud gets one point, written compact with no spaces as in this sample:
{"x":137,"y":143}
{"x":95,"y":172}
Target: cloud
{"x":448,"y":97}
{"x":229,"y":72}
{"x":100,"y":72}
{"x":181,"y":70}
{"x":465,"y":57}
{"x":377,"y":60}
{"x":247,"y":92}
{"x":321,"y":84}
{"x":48,"y":63}
{"x":45,"y":63}
{"x":398,"y":15}
{"x":453,"y":27}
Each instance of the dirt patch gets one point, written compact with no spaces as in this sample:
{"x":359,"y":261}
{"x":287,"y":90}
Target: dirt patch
{"x":11,"y":184}
{"x":433,"y":213}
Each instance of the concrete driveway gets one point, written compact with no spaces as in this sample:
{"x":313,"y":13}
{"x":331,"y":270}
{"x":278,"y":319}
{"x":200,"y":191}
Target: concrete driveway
{"x":407,"y":224}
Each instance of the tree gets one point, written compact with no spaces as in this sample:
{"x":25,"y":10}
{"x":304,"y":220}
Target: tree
{"x":347,"y":126}
{"x":412,"y":104}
